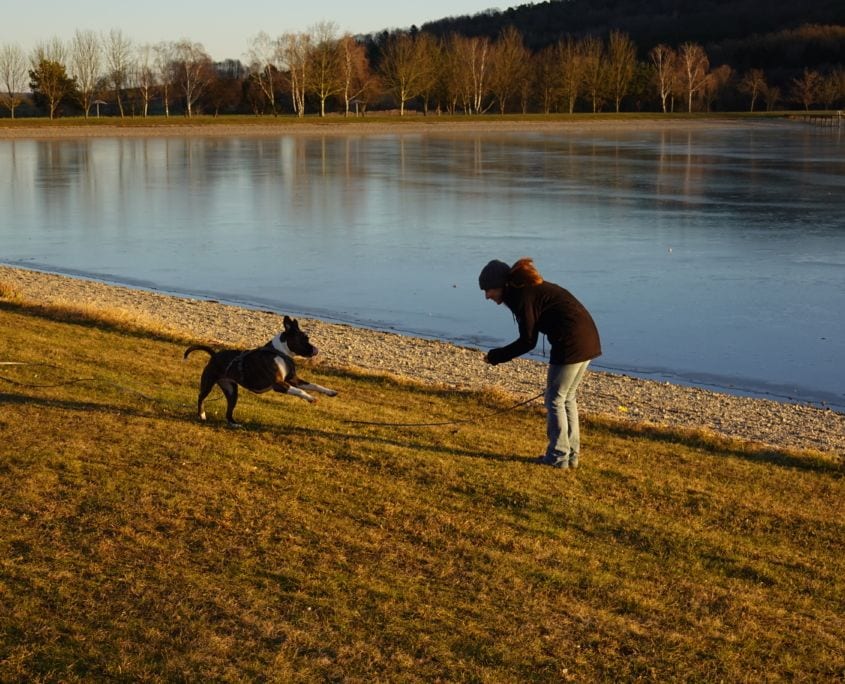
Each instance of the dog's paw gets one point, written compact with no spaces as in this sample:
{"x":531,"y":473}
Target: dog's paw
{"x":331,"y":393}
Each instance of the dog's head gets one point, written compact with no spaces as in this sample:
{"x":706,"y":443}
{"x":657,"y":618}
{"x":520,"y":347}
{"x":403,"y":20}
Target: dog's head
{"x":296,"y":340}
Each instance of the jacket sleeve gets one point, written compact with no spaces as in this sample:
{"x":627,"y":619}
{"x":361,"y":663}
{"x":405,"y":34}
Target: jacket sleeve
{"x":527,"y":340}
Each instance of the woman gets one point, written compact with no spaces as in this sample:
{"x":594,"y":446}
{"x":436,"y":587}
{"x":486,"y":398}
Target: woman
{"x":542,"y":307}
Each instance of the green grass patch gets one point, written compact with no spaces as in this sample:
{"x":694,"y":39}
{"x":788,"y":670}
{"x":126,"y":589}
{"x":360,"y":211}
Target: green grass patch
{"x":139,"y":544}
{"x":289,"y":122}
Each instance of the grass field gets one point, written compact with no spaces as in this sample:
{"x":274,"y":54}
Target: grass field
{"x":137,"y":544}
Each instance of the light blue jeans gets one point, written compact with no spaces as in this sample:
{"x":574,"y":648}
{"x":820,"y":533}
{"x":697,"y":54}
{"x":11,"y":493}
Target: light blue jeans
{"x":562,"y":414}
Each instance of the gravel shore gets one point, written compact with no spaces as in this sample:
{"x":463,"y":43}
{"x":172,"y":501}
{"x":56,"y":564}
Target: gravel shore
{"x":620,"y":396}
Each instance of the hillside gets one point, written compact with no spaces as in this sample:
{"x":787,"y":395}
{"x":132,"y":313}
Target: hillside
{"x":648,"y":22}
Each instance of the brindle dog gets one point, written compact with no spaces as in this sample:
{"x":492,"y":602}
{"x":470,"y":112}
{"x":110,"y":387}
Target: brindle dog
{"x":260,"y":370}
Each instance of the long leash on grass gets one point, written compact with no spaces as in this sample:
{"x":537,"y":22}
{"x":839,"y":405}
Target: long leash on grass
{"x":450,"y":422}
{"x":70,"y":381}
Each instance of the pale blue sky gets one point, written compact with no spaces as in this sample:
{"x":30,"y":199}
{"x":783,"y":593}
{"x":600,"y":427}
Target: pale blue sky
{"x":224,"y":28}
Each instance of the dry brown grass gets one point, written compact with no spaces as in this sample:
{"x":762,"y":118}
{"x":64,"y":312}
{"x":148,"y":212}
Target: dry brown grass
{"x":138,"y":544}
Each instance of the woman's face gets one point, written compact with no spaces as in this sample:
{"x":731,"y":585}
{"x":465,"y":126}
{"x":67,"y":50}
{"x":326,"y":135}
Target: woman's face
{"x":495,"y":293}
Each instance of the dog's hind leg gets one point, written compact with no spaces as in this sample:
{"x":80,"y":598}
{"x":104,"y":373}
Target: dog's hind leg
{"x":206,"y":385}
{"x":230,"y":389}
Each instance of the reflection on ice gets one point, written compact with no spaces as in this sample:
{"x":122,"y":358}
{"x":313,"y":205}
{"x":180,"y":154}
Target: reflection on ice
{"x":711,"y":256}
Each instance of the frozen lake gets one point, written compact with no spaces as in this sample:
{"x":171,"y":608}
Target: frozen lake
{"x":711,"y":256}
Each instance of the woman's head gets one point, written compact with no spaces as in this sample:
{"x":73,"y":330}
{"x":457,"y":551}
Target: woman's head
{"x":494,"y":275}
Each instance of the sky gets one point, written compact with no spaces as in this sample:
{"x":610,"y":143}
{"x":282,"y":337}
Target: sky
{"x":225,"y":29}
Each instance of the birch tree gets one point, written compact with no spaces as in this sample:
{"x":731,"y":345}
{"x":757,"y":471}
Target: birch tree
{"x":471,"y":64}
{"x":325,"y":61}
{"x":13,"y":74}
{"x":193,"y":72}
{"x":664,"y":59}
{"x":293,"y":51}
{"x":694,"y":66}
{"x":262,"y":68}
{"x":357,"y":81}
{"x":145,"y":76}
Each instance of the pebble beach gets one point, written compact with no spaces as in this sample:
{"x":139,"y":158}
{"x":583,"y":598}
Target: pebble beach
{"x":779,"y":424}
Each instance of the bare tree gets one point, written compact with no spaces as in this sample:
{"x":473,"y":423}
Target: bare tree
{"x":48,"y":76}
{"x":164,"y":64}
{"x":193,"y":70}
{"x":510,"y":66}
{"x":806,"y":88}
{"x":12,"y":77}
{"x":430,"y":53}
{"x":293,"y":52}
{"x":145,"y":76}
{"x":86,"y":59}
{"x":694,"y":66}
{"x":772,"y":95}
{"x":621,"y":61}
{"x":595,"y":80}
{"x":664,"y":60}
{"x":570,"y":61}
{"x":829,"y":90}
{"x":547,"y":76}
{"x":357,"y":80}
{"x":118,"y":52}
{"x":716,"y":83}
{"x":325,"y":60}
{"x":753,"y":84}
{"x":262,"y":67}
{"x":404,"y":69}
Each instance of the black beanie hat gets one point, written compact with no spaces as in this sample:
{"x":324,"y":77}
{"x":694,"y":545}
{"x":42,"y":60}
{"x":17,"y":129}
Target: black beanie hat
{"x":493,"y":275}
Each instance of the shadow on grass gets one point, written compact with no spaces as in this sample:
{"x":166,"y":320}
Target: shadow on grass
{"x":716,"y":445}
{"x":276,"y":430}
{"x":95,"y":320}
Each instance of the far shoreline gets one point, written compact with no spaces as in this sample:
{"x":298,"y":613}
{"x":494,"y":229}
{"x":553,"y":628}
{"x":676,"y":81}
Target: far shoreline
{"x":371,"y":124}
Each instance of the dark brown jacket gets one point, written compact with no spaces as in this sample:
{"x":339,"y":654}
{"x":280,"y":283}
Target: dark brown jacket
{"x":549,"y":309}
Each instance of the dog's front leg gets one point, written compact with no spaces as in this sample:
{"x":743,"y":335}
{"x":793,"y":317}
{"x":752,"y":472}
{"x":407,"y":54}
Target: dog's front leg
{"x":317,"y":388}
{"x":286,"y":388}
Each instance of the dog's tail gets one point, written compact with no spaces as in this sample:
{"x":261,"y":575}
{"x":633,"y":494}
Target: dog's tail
{"x":198,"y":347}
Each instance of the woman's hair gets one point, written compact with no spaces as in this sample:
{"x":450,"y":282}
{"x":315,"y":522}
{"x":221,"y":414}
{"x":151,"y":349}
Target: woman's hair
{"x":523,"y":273}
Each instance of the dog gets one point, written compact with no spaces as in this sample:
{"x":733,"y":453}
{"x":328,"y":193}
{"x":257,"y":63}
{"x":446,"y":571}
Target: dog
{"x":259,"y":370}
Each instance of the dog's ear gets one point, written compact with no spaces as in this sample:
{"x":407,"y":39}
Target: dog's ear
{"x":288,"y":321}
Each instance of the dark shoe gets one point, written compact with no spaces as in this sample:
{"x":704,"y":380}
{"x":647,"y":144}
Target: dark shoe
{"x":543,"y":460}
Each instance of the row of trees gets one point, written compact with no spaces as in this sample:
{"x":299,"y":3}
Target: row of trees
{"x":319,"y":69}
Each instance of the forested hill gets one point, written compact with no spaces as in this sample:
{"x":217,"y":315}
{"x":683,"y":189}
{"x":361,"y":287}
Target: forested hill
{"x":713,"y":23}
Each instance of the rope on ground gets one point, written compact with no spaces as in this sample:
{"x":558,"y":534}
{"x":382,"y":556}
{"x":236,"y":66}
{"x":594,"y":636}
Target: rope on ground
{"x":71,"y":381}
{"x":449,"y":422}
